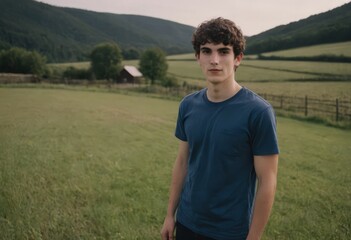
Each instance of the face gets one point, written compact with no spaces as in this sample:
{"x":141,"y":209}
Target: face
{"x":218,"y":62}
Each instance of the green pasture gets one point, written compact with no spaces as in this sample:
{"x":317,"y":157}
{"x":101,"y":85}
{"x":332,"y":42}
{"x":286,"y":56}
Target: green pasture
{"x":279,"y":77}
{"x":97,"y":165}
{"x":60,"y":67}
{"x":337,"y":49}
{"x":272,"y":71}
{"x":291,"y":78}
{"x":320,"y":70}
{"x":314,"y":89}
{"x":185,"y":56}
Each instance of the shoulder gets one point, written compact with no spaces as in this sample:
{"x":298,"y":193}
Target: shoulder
{"x":254,"y":100}
{"x":194,"y":95}
{"x":193,"y":98}
{"x":257,"y":107}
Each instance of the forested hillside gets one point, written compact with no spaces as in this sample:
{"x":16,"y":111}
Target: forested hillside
{"x":66,"y":34}
{"x":329,"y":27}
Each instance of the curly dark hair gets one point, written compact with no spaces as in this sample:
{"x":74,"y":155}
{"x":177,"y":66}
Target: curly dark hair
{"x":219,"y":30}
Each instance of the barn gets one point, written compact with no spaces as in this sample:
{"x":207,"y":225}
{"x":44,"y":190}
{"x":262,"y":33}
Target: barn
{"x":130,"y":74}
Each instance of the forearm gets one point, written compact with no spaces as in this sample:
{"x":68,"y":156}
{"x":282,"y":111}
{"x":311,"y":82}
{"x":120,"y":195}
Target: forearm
{"x":178,"y":177}
{"x":262,"y":207}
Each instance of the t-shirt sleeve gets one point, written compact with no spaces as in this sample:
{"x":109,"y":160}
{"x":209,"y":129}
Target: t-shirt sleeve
{"x":264,"y":139}
{"x":180,"y":130}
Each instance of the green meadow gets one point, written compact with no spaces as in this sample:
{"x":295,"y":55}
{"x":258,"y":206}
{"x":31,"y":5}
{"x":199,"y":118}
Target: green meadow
{"x":343,"y":48}
{"x":80,"y":164}
{"x":291,"y":78}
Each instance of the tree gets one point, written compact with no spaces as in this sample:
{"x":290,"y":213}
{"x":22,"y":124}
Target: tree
{"x":19,"y":60}
{"x":106,"y":60}
{"x":153,"y":64}
{"x":130,"y":53}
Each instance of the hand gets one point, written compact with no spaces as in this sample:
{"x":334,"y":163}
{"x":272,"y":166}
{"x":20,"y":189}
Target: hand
{"x":167,"y":232}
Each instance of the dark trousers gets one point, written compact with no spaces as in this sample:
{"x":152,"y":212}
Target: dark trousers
{"x":184,"y":233}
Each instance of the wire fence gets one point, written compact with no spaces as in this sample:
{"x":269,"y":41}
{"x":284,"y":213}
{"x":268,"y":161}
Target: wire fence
{"x":332,"y":109}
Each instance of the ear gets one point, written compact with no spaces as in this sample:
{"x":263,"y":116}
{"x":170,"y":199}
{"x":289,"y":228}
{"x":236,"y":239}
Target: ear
{"x":197,"y":56}
{"x":237,"y":60}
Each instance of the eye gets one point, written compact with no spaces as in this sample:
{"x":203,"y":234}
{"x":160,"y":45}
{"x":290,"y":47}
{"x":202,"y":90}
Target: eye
{"x":224,"y":51}
{"x":205,"y":51}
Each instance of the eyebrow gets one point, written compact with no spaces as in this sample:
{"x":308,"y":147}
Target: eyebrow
{"x":219,"y":49}
{"x":205,"y":48}
{"x":224,"y":48}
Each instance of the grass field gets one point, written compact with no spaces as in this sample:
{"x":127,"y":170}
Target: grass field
{"x":272,"y":71}
{"x":94,"y":165}
{"x":343,"y":48}
{"x":291,"y":78}
{"x":280,"y":77}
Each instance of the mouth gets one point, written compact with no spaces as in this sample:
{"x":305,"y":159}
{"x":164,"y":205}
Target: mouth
{"x":214,"y":70}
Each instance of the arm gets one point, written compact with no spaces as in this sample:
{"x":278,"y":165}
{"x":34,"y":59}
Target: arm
{"x":178,"y":176}
{"x":266,"y":168}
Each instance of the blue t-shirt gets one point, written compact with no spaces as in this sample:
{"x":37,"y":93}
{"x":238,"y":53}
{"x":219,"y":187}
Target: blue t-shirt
{"x":219,"y":189}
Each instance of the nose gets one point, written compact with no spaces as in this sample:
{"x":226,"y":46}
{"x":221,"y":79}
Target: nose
{"x":214,"y":59}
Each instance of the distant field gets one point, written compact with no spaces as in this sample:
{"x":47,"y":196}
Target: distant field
{"x":343,"y":48}
{"x":318,"y":69}
{"x":279,"y":77}
{"x":317,"y":79}
{"x":63,"y":66}
{"x":94,"y":165}
{"x":324,"y":90}
{"x":249,"y":71}
{"x":187,"y":56}
{"x":274,"y":77}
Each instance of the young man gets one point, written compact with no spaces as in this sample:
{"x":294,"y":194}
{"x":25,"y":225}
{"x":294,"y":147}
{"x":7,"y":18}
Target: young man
{"x":227,"y":139}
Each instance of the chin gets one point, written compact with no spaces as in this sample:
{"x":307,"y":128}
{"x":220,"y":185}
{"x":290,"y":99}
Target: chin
{"x":214,"y":80}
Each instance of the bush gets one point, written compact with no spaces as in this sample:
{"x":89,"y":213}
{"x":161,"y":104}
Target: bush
{"x":18,"y":60}
{"x":76,"y":73}
{"x":169,"y":82}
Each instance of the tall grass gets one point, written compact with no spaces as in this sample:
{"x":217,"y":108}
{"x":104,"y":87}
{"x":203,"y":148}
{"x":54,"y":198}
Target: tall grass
{"x":94,"y":165}
{"x":83,"y":165}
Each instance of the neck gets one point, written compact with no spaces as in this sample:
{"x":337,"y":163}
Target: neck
{"x":222,"y":92}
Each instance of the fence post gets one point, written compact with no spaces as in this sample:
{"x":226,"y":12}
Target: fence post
{"x":337,"y":110}
{"x":306,"y":105}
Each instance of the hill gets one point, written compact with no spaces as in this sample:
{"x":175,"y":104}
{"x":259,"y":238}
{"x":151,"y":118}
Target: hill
{"x":67,"y":34}
{"x":328,"y":27}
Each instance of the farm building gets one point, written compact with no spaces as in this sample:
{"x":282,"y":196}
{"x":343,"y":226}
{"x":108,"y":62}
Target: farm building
{"x":130,"y":74}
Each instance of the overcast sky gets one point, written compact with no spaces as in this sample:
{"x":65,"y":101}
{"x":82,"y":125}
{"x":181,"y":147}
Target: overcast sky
{"x":253,"y":16}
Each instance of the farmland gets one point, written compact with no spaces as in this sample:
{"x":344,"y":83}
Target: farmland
{"x":96,"y":165}
{"x":185,"y":68}
{"x":343,"y":48}
{"x":89,"y":163}
{"x":316,"y":79}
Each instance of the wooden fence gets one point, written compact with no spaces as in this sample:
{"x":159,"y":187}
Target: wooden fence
{"x":333,"y":109}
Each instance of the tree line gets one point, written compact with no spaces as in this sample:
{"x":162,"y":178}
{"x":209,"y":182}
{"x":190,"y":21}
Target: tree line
{"x":105,"y":64}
